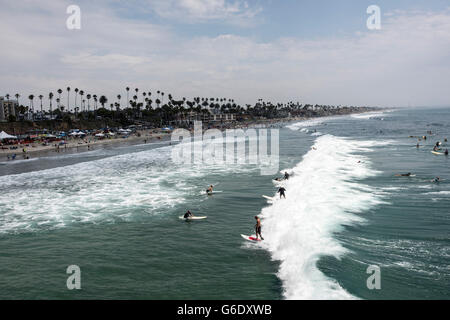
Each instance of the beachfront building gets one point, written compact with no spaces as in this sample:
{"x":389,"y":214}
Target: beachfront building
{"x":205,"y":117}
{"x":222,"y":117}
{"x":8,"y":108}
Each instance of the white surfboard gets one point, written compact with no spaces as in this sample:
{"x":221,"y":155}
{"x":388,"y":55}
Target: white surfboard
{"x":214,"y":192}
{"x":268,"y":198}
{"x":192,"y":218}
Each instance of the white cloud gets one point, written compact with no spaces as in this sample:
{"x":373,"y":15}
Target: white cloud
{"x":406,"y":62}
{"x":195,"y":11}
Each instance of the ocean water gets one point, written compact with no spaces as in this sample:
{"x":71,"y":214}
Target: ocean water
{"x":114,"y":212}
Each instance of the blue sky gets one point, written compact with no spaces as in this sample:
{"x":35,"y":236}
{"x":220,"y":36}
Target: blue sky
{"x":280,"y":50}
{"x":287,"y":18}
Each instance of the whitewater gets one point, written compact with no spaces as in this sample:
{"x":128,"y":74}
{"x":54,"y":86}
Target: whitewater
{"x":324,"y":194}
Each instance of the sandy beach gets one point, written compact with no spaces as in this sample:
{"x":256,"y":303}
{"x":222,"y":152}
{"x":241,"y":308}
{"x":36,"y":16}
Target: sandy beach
{"x":38,"y":149}
{"x":75,"y":145}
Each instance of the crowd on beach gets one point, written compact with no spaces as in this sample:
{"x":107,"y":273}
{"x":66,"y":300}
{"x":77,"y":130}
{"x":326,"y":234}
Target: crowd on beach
{"x":38,"y":141}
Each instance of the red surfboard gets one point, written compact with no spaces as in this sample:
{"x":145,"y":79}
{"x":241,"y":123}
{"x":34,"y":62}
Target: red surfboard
{"x":250,"y":238}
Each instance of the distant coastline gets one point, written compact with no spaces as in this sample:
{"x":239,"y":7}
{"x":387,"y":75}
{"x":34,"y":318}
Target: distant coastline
{"x":144,"y":136}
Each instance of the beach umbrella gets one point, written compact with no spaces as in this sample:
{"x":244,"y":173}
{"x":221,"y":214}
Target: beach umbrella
{"x":4,"y":135}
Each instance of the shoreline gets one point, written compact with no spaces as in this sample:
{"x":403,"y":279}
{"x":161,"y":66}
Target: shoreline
{"x":79,"y":145}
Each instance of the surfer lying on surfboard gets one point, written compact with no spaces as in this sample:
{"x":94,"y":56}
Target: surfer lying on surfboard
{"x":404,"y":174}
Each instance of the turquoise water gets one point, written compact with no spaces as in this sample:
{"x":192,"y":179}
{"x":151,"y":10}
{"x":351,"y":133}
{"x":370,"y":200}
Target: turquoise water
{"x":114,"y":213}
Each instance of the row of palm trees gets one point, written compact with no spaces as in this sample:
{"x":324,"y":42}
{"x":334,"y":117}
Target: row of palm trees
{"x":140,"y":106}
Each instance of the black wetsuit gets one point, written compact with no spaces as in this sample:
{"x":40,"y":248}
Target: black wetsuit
{"x":258,"y":231}
{"x":286,"y":176}
{"x":281,"y":192}
{"x":187,"y":215}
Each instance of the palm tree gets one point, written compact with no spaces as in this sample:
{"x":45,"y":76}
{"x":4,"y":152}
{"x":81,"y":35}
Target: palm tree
{"x":50,"y":98}
{"x":95,"y":102}
{"x":118,"y":98}
{"x":68,"y":96}
{"x":81,"y":98}
{"x":17,"y":98}
{"x":40,"y":98}
{"x":88,"y":96}
{"x":76,"y":95}
{"x":7,"y":96}
{"x":103,"y":101}
{"x":135,"y":97}
{"x":31,"y":98}
{"x":128,"y":92}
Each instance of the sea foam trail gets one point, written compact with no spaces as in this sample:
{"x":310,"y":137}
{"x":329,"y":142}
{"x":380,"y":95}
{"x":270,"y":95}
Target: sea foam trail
{"x":301,"y":125}
{"x":324,"y":193}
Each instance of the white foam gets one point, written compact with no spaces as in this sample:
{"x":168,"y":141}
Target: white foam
{"x":439,"y":193}
{"x":119,"y":188}
{"x":324,"y":193}
{"x":311,"y":123}
{"x":370,"y":115}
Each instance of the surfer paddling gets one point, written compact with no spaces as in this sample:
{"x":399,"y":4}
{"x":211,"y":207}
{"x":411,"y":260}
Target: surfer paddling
{"x":188,"y":215}
{"x":404,"y":174}
{"x":258,"y":228}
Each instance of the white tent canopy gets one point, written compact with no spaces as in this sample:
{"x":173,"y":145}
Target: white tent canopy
{"x":79,"y":133}
{"x":4,"y":135}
